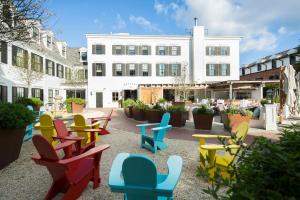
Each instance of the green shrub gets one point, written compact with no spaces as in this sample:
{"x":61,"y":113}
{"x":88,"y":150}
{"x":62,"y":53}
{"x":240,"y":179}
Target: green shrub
{"x":276,"y":99}
{"x":203,"y":109}
{"x":24,"y":101}
{"x":162,"y":100}
{"x":263,"y":102}
{"x":155,"y":107}
{"x":69,"y":101}
{"x":128,"y":103}
{"x":37,"y":101}
{"x":265,"y":170}
{"x":175,"y":109}
{"x":140,"y":105}
{"x":13,"y":115}
{"x":239,"y":111}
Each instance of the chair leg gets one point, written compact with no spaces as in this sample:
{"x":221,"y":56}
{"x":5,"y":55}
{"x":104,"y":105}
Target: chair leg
{"x":96,"y":172}
{"x":75,"y":190}
{"x":55,"y":188}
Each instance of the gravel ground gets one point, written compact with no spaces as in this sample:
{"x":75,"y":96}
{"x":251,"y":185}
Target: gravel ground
{"x":23,"y":179}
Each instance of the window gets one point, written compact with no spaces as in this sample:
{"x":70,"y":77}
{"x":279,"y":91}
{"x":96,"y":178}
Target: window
{"x":37,"y":93}
{"x":98,"y":69}
{"x":56,"y":92}
{"x":115,"y":96}
{"x":118,"y":49}
{"x":35,"y":33}
{"x":68,"y":73}
{"x":175,"y":50}
{"x":3,"y":52}
{"x":224,"y":51}
{"x":18,"y":92}
{"x":146,"y":50}
{"x":145,"y":70}
{"x":63,"y":51}
{"x":131,"y":50}
{"x":49,"y":41}
{"x":217,"y":51}
{"x":36,"y":62}
{"x":218,"y":69}
{"x":118,"y":69}
{"x":59,"y":71}
{"x":50,"y":95}
{"x":161,"y":69}
{"x":174,"y":70}
{"x":161,"y":50}
{"x":19,"y":57}
{"x":274,"y":65}
{"x":50,"y":67}
{"x":3,"y":93}
{"x":78,"y":93}
{"x":83,"y":56}
{"x":259,"y":67}
{"x":98,"y":49}
{"x":131,"y":69}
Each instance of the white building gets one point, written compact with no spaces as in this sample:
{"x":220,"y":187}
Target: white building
{"x":120,"y":64}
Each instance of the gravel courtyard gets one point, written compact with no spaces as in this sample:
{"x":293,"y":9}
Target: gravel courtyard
{"x":23,"y":179}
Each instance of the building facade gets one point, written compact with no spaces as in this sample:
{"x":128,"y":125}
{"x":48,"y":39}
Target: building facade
{"x":120,"y":64}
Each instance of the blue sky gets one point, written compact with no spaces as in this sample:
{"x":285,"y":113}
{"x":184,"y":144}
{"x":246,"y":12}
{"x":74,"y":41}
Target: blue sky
{"x":267,"y":26}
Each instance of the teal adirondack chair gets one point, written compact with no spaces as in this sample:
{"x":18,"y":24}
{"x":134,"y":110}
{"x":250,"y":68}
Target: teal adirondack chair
{"x":29,"y":127}
{"x":157,"y":141}
{"x":136,"y":176}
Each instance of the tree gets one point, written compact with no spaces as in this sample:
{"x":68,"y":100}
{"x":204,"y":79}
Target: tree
{"x":18,"y":17}
{"x":182,"y":88}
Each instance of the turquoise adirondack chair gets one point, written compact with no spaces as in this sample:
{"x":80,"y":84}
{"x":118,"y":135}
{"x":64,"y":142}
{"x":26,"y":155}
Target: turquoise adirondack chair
{"x":136,"y":176}
{"x":157,"y":141}
{"x":29,"y":127}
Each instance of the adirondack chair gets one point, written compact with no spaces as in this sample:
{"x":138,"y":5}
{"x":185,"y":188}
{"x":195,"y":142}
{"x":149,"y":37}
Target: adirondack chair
{"x":157,"y":141}
{"x":137,"y":177}
{"x":47,"y":128}
{"x":105,"y":119}
{"x":80,"y":126}
{"x":63,"y":135}
{"x":29,"y":127}
{"x":70,"y":175}
{"x":208,"y":157}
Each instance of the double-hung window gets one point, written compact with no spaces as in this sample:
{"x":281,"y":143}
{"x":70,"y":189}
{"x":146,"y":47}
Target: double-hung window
{"x":119,"y":70}
{"x":162,"y":70}
{"x":115,"y":96}
{"x":145,"y":70}
{"x":131,"y":69}
{"x":131,"y":50}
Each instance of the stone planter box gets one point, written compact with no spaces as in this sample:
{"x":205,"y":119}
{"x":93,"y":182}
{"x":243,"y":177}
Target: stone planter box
{"x":178,"y":119}
{"x":128,"y":112}
{"x":203,"y":121}
{"x":153,"y":116}
{"x":138,"y":114}
{"x":10,"y":145}
{"x":77,"y":108}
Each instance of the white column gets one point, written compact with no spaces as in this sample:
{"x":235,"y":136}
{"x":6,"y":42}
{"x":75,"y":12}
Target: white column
{"x":271,"y":117}
{"x":230,"y":91}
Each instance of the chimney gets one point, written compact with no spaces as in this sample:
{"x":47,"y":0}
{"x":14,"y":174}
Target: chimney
{"x":196,"y":21}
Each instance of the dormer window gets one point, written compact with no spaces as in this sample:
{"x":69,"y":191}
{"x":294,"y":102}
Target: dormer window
{"x":63,"y":51}
{"x":35,"y":33}
{"x":83,"y":56}
{"x":49,"y":41}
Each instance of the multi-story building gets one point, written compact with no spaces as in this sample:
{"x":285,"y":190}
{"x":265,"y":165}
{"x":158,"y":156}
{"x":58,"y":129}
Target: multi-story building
{"x":53,"y":61}
{"x":123,"y":65}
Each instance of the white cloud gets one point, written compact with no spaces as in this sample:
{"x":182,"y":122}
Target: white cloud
{"x":144,"y":23}
{"x":120,"y":23}
{"x":251,"y":19}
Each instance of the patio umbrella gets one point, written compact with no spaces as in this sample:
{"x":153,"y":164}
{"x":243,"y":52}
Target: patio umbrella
{"x":289,"y":86}
{"x":298,"y":92}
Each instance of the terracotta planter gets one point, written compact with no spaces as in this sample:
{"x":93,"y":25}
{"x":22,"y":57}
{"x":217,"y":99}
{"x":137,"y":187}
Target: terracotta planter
{"x":77,"y":108}
{"x":128,"y":112}
{"x":138,"y":114}
{"x":235,"y":119}
{"x":10,"y":145}
{"x":36,"y":107}
{"x":178,"y":119}
{"x":203,"y":121}
{"x":154,"y":116}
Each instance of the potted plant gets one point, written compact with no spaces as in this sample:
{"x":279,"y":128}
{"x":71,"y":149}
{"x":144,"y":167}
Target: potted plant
{"x":234,"y":116}
{"x":75,"y":105}
{"x":178,"y":115}
{"x":203,"y":117}
{"x":138,"y":111}
{"x":13,"y":121}
{"x":37,"y":103}
{"x":127,"y":105}
{"x":154,"y":113}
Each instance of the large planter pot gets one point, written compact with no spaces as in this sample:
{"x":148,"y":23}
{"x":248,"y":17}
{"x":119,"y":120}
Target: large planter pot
{"x":138,"y":114}
{"x":154,"y":116}
{"x":203,"y":121}
{"x":10,"y":145}
{"x":178,"y":119}
{"x":128,"y":112}
{"x":36,"y":107}
{"x":77,"y":108}
{"x":234,"y":120}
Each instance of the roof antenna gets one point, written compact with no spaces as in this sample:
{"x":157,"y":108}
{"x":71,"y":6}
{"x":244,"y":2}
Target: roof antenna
{"x":196,"y":21}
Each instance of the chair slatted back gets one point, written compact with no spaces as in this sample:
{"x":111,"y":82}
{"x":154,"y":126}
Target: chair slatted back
{"x":44,"y":148}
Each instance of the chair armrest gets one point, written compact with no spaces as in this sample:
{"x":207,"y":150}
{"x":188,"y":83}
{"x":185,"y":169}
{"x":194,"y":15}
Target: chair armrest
{"x":90,"y":152}
{"x":175,"y":167}
{"x":94,"y":124}
{"x":200,"y":136}
{"x":90,"y":130}
{"x":75,"y":138}
{"x":115,"y":179}
{"x":64,"y":145}
{"x":161,"y":128}
{"x":146,"y":125}
{"x":219,"y":146}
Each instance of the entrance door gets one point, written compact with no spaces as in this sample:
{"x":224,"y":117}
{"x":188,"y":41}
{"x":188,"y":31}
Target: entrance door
{"x":99,"y":99}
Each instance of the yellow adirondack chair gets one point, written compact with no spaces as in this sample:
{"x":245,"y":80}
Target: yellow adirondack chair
{"x":47,"y":129}
{"x":80,"y":125}
{"x":210,"y":160}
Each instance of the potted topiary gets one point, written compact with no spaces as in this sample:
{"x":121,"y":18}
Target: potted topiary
{"x":13,"y":121}
{"x":203,"y":117}
{"x":127,"y":105}
{"x":24,"y":101}
{"x":154,"y":113}
{"x":178,"y":115}
{"x":235,"y":116}
{"x":138,"y":111}
{"x":37,"y":103}
{"x":75,"y":105}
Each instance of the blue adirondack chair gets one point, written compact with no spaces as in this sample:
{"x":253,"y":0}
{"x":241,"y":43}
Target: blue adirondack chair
{"x":157,"y":141}
{"x":136,"y":176}
{"x":29,"y":127}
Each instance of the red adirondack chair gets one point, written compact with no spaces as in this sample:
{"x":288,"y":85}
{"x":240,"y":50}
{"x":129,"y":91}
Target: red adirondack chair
{"x":63,"y":134}
{"x":71,"y":175}
{"x":106,"y":118}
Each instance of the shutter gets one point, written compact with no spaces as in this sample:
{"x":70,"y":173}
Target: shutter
{"x":156,"y":49}
{"x":93,"y":49}
{"x":157,"y":69}
{"x":140,"y":50}
{"x":32,"y":59}
{"x":123,"y":49}
{"x":136,"y":69}
{"x":42,"y":94}
{"x":26,"y":59}
{"x":4,"y":93}
{"x":178,"y":69}
{"x":57,"y":65}
{"x":207,"y":69}
{"x":53,"y":68}
{"x":102,"y":49}
{"x":168,"y":50}
{"x":178,"y":50}
{"x":14,"y":94}
{"x":228,"y":53}
{"x":149,"y":70}
{"x":41,"y":64}
{"x":114,"y":49}
{"x":103,"y":69}
{"x":149,"y":50}
{"x":228,"y":70}
{"x":140,"y":69}
{"x":14,"y":55}
{"x":4,"y":52}
{"x":93,"y":69}
{"x":127,"y":70}
{"x":123,"y":69}
{"x":137,"y":50}
{"x":26,"y":92}
{"x":33,"y":92}
{"x":62,"y":69}
{"x":207,"y":51}
{"x":114,"y":69}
